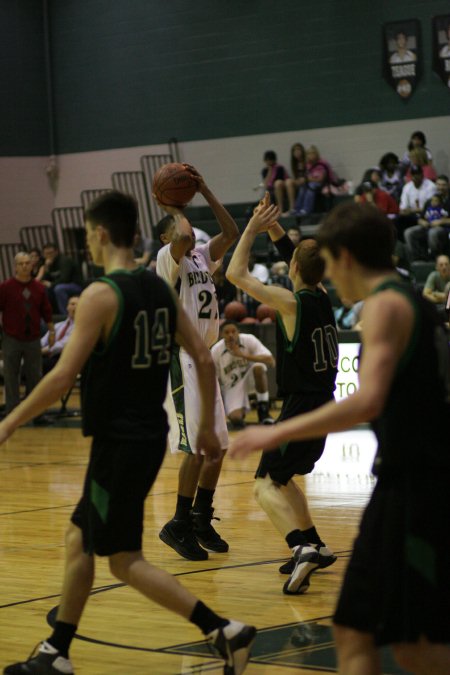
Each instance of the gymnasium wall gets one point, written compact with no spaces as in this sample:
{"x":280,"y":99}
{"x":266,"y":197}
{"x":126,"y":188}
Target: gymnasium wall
{"x":228,"y":79}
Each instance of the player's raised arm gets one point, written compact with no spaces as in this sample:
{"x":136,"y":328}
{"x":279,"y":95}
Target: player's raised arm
{"x":95,"y":315}
{"x":188,"y":338}
{"x":238,"y":272}
{"x":388,"y":324}
{"x":219,"y":244}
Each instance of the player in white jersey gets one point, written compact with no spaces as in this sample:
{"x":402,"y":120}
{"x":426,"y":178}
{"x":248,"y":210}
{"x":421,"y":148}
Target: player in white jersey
{"x":188,"y":269}
{"x":241,"y":365}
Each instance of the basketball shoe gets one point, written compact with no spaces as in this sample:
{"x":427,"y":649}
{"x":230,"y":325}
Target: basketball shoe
{"x":326,"y":558}
{"x":47,"y":661}
{"x":179,"y":534}
{"x":233,"y":642}
{"x":262,"y":409}
{"x":205,"y":533}
{"x":306,"y":560}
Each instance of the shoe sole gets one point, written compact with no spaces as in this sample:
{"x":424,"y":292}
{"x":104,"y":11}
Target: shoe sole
{"x":325,"y":562}
{"x":240,"y":660}
{"x":223,"y":548}
{"x":298,"y":582}
{"x":167,"y":538}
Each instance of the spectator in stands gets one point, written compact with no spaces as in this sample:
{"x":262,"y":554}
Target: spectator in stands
{"x":274,"y":177}
{"x":61,"y":277}
{"x":414,"y":196}
{"x":241,"y":362}
{"x":443,"y":188}
{"x":417,"y":140}
{"x":371,"y":194}
{"x":294,"y":235}
{"x":430,"y":237}
{"x":279,"y":275}
{"x":23,"y":303}
{"x":445,"y":50}
{"x":37,"y":264}
{"x":373,"y":175}
{"x":298,"y":171}
{"x":391,"y":175}
{"x":418,"y":157}
{"x":319,"y":176}
{"x":142,"y":249}
{"x":62,"y":331}
{"x":258,"y":270}
{"x":437,"y":284}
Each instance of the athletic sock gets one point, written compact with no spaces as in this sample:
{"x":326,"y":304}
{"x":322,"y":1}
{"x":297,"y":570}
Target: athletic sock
{"x":62,"y":636}
{"x":312,"y":537}
{"x":296,"y":538}
{"x":262,"y":397}
{"x":203,"y":500}
{"x":184,"y":506}
{"x":206,"y":619}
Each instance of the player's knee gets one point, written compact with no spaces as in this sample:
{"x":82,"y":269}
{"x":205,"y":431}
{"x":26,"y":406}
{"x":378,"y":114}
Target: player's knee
{"x":119,"y":567}
{"x":263,"y":489}
{"x":350,"y":643}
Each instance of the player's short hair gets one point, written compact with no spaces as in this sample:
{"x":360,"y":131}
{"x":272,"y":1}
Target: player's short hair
{"x":164,"y":225}
{"x":229,"y":322}
{"x":310,"y":264}
{"x":118,"y":214}
{"x":364,"y":231}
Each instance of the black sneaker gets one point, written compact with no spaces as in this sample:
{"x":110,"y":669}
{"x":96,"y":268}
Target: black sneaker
{"x":233,"y":642}
{"x":326,"y":558}
{"x":262,"y":409}
{"x":48,"y":661}
{"x":306,"y":560}
{"x":179,"y":534}
{"x":206,"y":534}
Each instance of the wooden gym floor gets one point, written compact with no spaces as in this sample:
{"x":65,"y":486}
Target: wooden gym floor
{"x":121,"y":633}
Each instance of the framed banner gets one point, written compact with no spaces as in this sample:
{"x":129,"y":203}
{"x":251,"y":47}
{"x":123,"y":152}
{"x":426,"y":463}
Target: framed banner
{"x":402,"y":56}
{"x":441,"y":47}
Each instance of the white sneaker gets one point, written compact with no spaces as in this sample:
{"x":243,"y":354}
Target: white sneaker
{"x":306,"y":560}
{"x":233,"y":642}
{"x":48,"y":661}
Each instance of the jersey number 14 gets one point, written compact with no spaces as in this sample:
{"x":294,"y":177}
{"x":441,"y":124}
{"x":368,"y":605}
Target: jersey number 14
{"x":151,"y":342}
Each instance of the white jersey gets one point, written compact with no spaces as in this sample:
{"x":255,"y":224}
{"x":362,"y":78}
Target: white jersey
{"x":231,"y":369}
{"x":196,"y":288}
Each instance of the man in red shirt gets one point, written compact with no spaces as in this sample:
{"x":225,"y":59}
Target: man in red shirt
{"x":379,"y":198}
{"x":23,"y":303}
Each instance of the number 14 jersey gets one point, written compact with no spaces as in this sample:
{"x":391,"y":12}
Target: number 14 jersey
{"x":192,"y":278}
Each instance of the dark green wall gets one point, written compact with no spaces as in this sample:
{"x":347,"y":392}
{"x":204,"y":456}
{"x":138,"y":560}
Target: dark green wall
{"x":23,"y":109}
{"x":138,"y":72}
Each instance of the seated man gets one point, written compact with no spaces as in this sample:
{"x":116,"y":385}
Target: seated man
{"x":61,"y":277}
{"x":438,"y":282}
{"x":63,"y":330}
{"x":241,"y":364}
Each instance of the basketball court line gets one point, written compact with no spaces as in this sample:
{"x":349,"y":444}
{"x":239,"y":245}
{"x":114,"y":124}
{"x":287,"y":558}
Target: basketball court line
{"x":108,"y":587}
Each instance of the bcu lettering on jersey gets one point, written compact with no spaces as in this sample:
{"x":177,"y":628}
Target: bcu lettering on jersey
{"x":441,"y":47}
{"x":402,"y":57}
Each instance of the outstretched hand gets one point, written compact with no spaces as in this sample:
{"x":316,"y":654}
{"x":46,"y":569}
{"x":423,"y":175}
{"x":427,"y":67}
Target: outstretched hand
{"x":264,"y":215}
{"x":251,"y":440}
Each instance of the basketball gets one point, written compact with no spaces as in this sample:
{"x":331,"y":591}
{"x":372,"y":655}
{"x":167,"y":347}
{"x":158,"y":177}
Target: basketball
{"x":264,"y":312}
{"x":235,"y":311}
{"x":173,"y":185}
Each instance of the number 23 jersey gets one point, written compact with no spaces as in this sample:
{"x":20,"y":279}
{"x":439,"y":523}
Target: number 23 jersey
{"x":192,"y":277}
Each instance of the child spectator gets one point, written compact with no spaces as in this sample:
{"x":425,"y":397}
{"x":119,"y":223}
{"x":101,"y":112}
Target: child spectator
{"x":391,"y":175}
{"x":298,"y":170}
{"x":274,"y":178}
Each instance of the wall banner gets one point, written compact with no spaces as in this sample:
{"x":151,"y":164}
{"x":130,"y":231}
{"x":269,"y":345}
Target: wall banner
{"x":402,"y":57}
{"x":441,"y":47}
